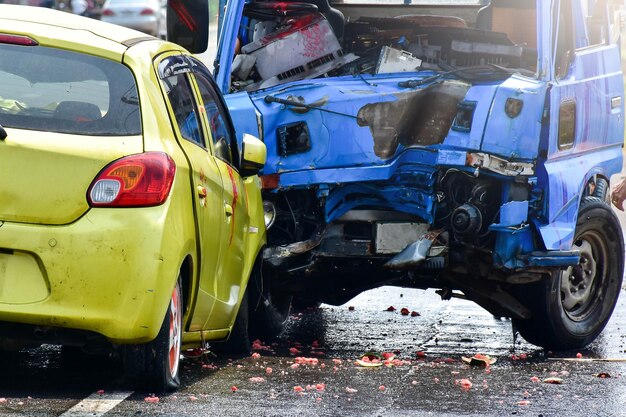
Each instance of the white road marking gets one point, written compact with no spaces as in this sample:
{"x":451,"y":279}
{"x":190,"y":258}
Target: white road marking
{"x":97,"y":404}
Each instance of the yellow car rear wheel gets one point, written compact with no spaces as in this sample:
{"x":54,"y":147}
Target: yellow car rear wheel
{"x":154,"y":366}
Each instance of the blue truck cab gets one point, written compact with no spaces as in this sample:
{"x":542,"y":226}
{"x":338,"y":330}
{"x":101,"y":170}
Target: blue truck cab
{"x":465,"y":146}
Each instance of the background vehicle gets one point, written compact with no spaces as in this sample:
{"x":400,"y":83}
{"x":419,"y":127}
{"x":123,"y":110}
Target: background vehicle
{"x":131,"y":215}
{"x":147,"y":16}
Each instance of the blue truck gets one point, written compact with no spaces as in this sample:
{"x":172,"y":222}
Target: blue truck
{"x":465,"y":146}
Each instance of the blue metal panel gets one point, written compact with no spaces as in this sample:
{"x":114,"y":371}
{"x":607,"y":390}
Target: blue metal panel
{"x":243,"y":115}
{"x":226,"y":44}
{"x":381,"y":172}
{"x":566,"y":179}
{"x":596,"y":78}
{"x":516,"y":138}
{"x":482,"y":95}
{"x":337,"y":141}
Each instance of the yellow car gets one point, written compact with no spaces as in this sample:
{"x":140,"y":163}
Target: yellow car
{"x":130,"y":211}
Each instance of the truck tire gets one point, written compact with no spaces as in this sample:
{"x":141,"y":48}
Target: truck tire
{"x":602,"y":190}
{"x":572,"y":306}
{"x":269,"y":308}
{"x":238,"y":342}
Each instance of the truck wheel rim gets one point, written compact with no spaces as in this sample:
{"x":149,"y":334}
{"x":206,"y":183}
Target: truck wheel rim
{"x":581,"y":284}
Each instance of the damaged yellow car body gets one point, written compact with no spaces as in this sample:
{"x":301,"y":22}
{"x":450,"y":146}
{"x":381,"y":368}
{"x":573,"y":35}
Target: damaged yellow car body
{"x":127,"y":218}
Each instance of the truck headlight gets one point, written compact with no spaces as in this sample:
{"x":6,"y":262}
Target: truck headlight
{"x":269,"y":213}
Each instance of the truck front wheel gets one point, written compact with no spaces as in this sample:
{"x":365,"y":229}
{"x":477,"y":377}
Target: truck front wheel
{"x":573,"y":305}
{"x":269,"y":306}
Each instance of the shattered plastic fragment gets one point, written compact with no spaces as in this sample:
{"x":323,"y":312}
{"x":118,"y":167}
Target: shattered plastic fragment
{"x":534,"y":379}
{"x":370,"y":359}
{"x":298,"y":388}
{"x":464,"y":383}
{"x":257,"y":379}
{"x":3,"y":400}
{"x":479,"y":360}
{"x":579,"y":355}
{"x":194,"y":353}
{"x":192,"y":398}
{"x":351,"y":390}
{"x":388,"y":355}
{"x":256,"y":355}
{"x":234,"y":388}
{"x":306,"y":361}
{"x":258,"y":345}
{"x":294,"y":351}
{"x":268,"y":370}
{"x":420,"y":354}
{"x":320,"y":387}
{"x":100,"y":392}
{"x":381,"y":388}
{"x":553,"y":380}
{"x":523,"y":402}
{"x":151,"y":399}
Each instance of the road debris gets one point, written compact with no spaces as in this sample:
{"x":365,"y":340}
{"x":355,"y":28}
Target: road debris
{"x":370,"y":360}
{"x":479,"y":360}
{"x":553,"y":380}
{"x":464,"y":383}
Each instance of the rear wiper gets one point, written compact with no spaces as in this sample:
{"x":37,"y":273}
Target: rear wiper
{"x":3,"y":133}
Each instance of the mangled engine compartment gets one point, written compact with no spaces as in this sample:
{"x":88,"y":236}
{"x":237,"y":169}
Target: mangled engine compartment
{"x":290,"y":41}
{"x":363,"y":247}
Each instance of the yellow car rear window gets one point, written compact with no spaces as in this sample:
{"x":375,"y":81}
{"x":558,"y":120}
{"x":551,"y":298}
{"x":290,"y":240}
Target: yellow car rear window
{"x":61,"y":91}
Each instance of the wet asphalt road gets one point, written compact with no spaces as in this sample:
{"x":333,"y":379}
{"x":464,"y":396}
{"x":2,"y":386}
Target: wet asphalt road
{"x":434,"y":382}
{"x":35,"y":383}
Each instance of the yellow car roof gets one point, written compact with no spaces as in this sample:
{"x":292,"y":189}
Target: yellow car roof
{"x":62,"y":29}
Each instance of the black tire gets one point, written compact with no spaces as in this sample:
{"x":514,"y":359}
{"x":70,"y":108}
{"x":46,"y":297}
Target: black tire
{"x":572,"y":307}
{"x":269,"y":307}
{"x":602,"y":190}
{"x":238,"y":342}
{"x":154,"y":366}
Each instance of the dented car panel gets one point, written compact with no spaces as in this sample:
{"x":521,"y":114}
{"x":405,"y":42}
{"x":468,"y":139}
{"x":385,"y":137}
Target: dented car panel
{"x":477,"y":140}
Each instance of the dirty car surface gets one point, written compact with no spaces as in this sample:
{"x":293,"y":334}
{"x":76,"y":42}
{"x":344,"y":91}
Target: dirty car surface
{"x":464,"y":146}
{"x":129,"y":222}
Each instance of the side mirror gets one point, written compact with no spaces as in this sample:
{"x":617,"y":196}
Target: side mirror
{"x":188,"y":24}
{"x":253,"y":154}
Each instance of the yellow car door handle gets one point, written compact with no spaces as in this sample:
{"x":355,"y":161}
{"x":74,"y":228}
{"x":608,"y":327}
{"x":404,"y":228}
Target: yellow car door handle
{"x":228,"y":210}
{"x":201,"y":191}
